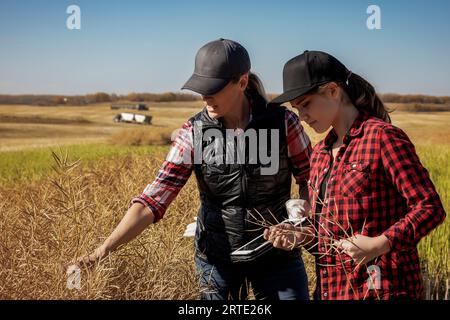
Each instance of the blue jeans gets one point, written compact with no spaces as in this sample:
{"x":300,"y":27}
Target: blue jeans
{"x":286,"y":280}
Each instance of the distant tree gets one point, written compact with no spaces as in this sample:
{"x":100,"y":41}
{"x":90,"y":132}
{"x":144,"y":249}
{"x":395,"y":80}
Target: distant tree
{"x":102,"y":97}
{"x":58,"y":100}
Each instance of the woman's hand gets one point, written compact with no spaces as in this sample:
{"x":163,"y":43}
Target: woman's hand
{"x":137,"y":218}
{"x":95,"y":257}
{"x":89,"y":260}
{"x":288,"y":237}
{"x":363,"y":249}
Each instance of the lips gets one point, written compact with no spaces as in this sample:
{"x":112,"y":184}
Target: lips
{"x":311,"y":123}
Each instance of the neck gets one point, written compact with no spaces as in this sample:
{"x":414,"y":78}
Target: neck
{"x":344,"y":121}
{"x":239,"y":116}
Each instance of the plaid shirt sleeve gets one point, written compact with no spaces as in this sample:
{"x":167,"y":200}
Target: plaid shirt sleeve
{"x":172,"y":176}
{"x":299,"y":148}
{"x":411,"y":179}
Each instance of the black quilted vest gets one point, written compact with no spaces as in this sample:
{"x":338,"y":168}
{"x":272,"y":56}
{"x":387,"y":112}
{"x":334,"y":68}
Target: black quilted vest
{"x":236,"y":198}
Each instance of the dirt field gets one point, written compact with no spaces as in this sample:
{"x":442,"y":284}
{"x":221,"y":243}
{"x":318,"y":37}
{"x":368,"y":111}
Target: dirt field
{"x":24,"y":127}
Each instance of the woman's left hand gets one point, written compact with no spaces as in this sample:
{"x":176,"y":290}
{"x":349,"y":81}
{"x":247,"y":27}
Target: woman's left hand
{"x":288,"y":237}
{"x":363,"y":249}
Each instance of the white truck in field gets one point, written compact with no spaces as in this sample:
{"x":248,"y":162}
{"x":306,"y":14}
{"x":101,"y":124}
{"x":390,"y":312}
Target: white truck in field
{"x":137,"y":106}
{"x":133,"y":118}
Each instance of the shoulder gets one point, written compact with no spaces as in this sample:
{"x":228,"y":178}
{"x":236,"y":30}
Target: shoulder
{"x":376,"y":124}
{"x":293,"y":123}
{"x":269,"y":116}
{"x":290,"y":116}
{"x":384,"y":130}
{"x":197,"y":117}
{"x":276,"y":109}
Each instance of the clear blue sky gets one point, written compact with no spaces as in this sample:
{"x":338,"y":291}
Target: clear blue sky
{"x":126,"y":46}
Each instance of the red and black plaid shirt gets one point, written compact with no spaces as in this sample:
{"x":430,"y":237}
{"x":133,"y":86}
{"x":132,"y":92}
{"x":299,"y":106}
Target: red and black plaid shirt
{"x":376,"y":186}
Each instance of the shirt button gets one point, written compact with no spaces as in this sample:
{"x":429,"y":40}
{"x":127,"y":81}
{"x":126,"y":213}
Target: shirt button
{"x":324,"y":273}
{"x":354,"y":165}
{"x":325,"y":294}
{"x":325,"y":170}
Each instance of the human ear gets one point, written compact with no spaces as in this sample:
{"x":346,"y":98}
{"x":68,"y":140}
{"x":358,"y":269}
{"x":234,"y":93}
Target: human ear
{"x":243,"y":82}
{"x":333,"y":90}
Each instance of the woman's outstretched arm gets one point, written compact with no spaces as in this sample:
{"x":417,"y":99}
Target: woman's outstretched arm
{"x":151,"y":205}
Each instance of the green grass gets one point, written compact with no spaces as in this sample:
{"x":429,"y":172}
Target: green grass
{"x":434,"y":249}
{"x":32,"y":165}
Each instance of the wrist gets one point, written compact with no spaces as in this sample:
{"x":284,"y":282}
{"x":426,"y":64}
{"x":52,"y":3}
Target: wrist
{"x":382,"y":245}
{"x":103,"y":250}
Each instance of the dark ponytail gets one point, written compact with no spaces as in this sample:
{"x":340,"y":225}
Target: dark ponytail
{"x":363,"y":96}
{"x":254,"y":86}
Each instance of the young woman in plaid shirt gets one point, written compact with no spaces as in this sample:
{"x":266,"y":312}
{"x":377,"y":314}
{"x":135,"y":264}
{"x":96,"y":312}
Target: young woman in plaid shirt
{"x":372,"y":200}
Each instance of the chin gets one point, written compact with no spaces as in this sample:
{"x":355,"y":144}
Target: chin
{"x":213,"y":112}
{"x":214,"y":115}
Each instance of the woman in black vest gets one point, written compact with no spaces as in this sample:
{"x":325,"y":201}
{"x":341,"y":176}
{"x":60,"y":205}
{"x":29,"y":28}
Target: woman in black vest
{"x":239,"y":188}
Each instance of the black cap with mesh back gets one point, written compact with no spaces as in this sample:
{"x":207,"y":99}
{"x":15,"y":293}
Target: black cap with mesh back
{"x":216,"y":63}
{"x":307,"y":71}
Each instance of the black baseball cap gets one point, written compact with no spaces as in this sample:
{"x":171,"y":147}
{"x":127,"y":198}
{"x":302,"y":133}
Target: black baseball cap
{"x":216,"y":63}
{"x":307,"y":71}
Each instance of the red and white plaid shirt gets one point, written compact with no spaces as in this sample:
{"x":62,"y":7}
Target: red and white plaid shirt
{"x":175,"y":170}
{"x":376,"y":186}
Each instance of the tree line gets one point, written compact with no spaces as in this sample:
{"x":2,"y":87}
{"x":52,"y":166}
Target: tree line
{"x":99,"y":97}
{"x":102,"y":97}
